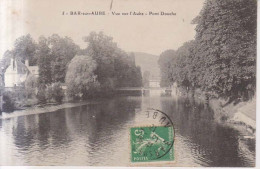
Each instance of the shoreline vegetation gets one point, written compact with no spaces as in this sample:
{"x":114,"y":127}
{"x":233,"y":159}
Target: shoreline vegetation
{"x":240,"y":116}
{"x":219,"y":65}
{"x":54,"y":106}
{"x":65,"y":71}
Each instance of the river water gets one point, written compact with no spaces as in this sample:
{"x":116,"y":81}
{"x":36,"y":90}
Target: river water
{"x":98,"y":134}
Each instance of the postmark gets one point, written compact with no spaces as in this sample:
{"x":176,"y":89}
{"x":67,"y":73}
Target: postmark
{"x":154,"y":142}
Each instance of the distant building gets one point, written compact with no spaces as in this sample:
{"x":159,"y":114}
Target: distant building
{"x":17,"y":72}
{"x":154,"y":82}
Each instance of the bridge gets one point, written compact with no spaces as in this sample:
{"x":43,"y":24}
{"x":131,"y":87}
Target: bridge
{"x":143,"y":88}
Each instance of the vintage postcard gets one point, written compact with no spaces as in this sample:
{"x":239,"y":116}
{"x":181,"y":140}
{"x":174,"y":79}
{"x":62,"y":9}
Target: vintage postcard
{"x":128,"y":83}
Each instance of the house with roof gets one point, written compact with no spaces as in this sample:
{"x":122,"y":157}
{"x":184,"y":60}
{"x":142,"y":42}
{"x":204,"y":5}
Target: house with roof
{"x":17,"y":72}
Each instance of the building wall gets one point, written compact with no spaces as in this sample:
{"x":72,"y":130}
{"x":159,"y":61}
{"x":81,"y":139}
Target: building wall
{"x":12,"y":76}
{"x":13,"y":79}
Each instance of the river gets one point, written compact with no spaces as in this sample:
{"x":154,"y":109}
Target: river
{"x":98,"y":134}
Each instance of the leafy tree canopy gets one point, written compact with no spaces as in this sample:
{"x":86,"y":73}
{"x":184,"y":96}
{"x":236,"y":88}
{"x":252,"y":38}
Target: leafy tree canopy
{"x":80,"y":78}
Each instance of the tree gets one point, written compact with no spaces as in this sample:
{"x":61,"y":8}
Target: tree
{"x":25,"y":48}
{"x":137,"y":77}
{"x":115,"y":68}
{"x":30,"y":85}
{"x":8,"y":101}
{"x":55,"y":92}
{"x":62,"y":50}
{"x":5,"y":61}
{"x":102,"y":49}
{"x":80,"y":77}
{"x":222,"y":58}
{"x":58,"y":93}
{"x":41,"y":94}
{"x":165,"y":62}
{"x":226,"y":38}
{"x":44,"y":62}
{"x":127,"y":74}
{"x":146,"y":77}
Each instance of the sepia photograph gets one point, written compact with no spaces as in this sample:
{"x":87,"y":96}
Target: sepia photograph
{"x":131,"y":83}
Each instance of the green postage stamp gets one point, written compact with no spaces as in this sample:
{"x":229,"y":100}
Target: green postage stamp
{"x":150,"y":144}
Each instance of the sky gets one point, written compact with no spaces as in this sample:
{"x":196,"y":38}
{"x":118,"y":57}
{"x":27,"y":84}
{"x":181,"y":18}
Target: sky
{"x":149,"y":34}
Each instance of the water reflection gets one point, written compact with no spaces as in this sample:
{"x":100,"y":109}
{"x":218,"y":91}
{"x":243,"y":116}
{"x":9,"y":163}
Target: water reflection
{"x":98,"y":134}
{"x":209,"y":143}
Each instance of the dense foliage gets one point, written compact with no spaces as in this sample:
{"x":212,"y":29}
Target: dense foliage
{"x":165,"y":61}
{"x":55,"y":93}
{"x":62,"y":50}
{"x":44,"y":62}
{"x":8,"y":101}
{"x":115,"y":68}
{"x":24,"y":48}
{"x":146,"y":77}
{"x":62,"y":63}
{"x":222,"y":58}
{"x":80,"y":78}
{"x":30,"y":85}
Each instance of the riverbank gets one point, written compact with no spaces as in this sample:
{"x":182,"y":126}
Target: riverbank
{"x":42,"y":109}
{"x":241,"y":116}
{"x":31,"y":106}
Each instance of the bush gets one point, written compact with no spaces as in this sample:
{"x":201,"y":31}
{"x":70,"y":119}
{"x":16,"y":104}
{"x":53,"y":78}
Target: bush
{"x":58,"y":93}
{"x":41,"y":94}
{"x":30,"y":86}
{"x":55,"y":92}
{"x":49,"y":93}
{"x":8,"y":101}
